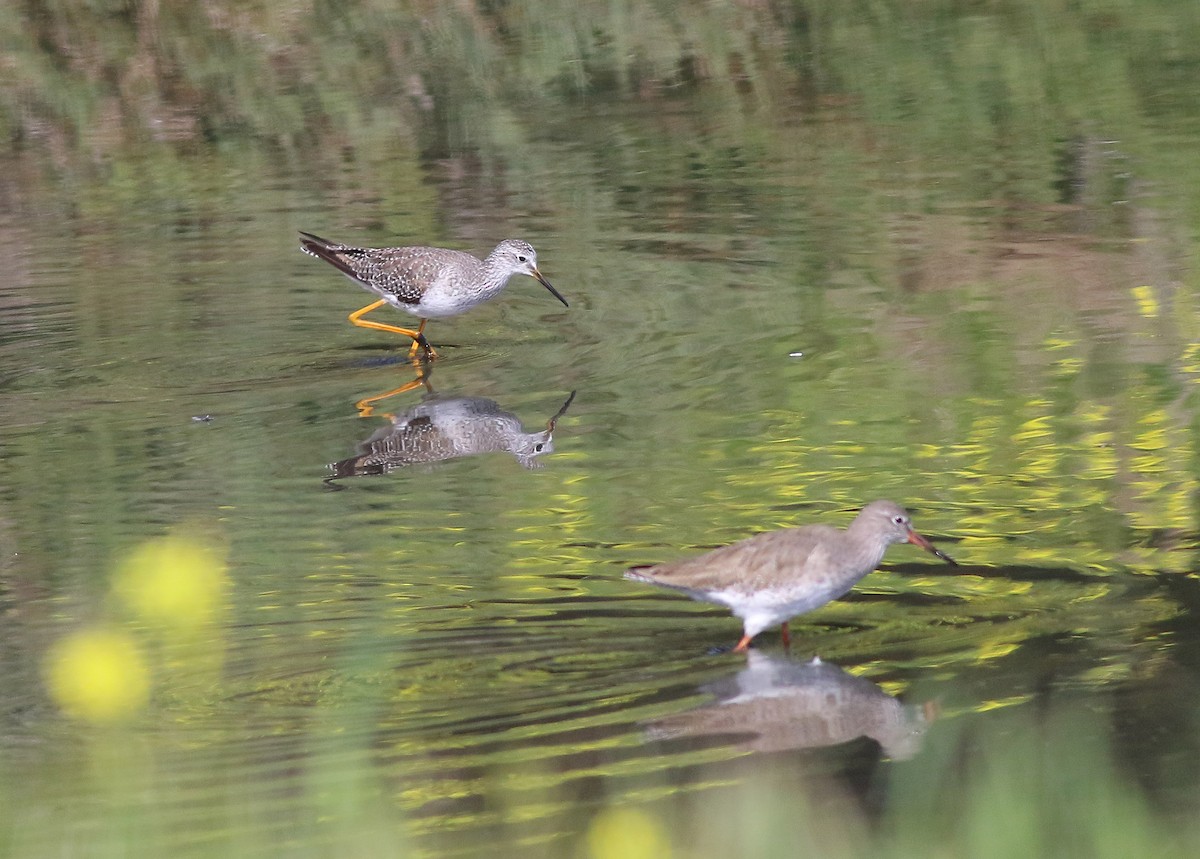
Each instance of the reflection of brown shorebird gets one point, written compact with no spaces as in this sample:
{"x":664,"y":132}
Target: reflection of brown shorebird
{"x":447,"y":427}
{"x":784,"y":704}
{"x":426,"y":282}
{"x":777,"y":575}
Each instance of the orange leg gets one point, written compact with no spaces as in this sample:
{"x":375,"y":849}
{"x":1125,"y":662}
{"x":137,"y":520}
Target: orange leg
{"x":787,"y":639}
{"x":743,"y":645}
{"x":418,"y":337}
{"x":366,"y":406}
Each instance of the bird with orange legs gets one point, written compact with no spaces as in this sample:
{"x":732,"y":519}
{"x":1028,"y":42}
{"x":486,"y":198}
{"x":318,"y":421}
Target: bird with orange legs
{"x":429,"y":283}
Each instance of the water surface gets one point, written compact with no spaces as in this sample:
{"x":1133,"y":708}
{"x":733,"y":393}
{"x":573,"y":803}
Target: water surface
{"x":795,"y":287}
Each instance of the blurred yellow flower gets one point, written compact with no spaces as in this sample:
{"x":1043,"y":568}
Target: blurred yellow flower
{"x":98,"y":675}
{"x":176,"y":582}
{"x":627,"y":833}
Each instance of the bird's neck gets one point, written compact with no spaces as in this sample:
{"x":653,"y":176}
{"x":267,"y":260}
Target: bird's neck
{"x":866,"y":547}
{"x":496,"y":273}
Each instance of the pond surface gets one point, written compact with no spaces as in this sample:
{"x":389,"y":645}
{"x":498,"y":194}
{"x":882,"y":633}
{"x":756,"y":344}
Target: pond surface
{"x":793,"y":289}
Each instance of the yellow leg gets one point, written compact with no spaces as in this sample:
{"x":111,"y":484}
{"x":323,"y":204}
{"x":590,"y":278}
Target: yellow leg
{"x":418,"y":338}
{"x":366,"y":406}
{"x":743,"y":645}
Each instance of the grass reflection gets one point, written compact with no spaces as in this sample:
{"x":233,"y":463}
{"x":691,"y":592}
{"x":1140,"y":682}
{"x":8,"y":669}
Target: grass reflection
{"x":1012,"y":782}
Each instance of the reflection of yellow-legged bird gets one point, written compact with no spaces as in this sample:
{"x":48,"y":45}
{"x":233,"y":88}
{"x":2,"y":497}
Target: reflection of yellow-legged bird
{"x":443,"y":428}
{"x":426,"y":282}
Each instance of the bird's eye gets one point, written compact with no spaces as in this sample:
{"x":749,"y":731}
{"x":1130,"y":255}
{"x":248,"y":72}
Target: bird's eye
{"x":521,"y":258}
{"x":898,"y":519}
{"x":538,"y":448}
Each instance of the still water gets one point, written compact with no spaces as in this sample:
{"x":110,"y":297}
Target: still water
{"x":392,"y":619}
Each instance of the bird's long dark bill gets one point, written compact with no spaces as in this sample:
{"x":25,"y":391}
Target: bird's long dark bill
{"x":546,"y":284}
{"x":554,"y":420}
{"x":917,"y":540}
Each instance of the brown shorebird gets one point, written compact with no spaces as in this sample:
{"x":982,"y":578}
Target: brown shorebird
{"x":427,"y":282}
{"x":777,"y":575}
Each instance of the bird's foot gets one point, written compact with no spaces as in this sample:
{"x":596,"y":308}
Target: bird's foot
{"x":421,"y":352}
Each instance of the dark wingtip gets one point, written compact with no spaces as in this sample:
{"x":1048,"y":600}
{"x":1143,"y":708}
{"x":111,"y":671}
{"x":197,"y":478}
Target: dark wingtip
{"x":313,"y":244}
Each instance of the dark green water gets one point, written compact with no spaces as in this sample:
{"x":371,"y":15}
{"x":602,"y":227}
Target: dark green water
{"x":815,"y":256}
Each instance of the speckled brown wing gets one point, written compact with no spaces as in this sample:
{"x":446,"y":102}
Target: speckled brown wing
{"x":417,"y":441}
{"x":405,"y":273}
{"x":394,"y":273}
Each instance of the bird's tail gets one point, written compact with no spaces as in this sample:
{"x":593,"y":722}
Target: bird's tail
{"x":635,"y":574}
{"x":321,"y":248}
{"x":333,"y":253}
